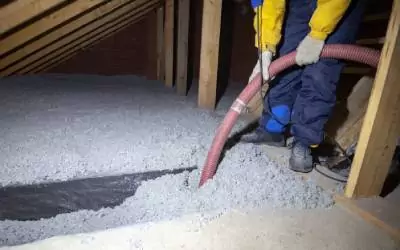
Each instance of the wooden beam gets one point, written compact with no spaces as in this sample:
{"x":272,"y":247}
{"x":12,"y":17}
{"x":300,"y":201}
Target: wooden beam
{"x":182,"y":47}
{"x":210,"y":34}
{"x":160,"y":44}
{"x":63,"y":43}
{"x":32,"y":47}
{"x":93,"y":40}
{"x":45,"y":24}
{"x":381,"y":126}
{"x":21,"y":11}
{"x":169,"y":42}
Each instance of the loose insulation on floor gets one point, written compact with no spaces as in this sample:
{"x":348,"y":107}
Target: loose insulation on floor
{"x":63,"y":127}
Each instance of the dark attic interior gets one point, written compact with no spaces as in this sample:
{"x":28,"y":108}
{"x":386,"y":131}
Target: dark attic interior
{"x":160,"y":124}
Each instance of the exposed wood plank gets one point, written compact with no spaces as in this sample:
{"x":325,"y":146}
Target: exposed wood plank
{"x":160,"y":44}
{"x":381,"y":126}
{"x":14,"y":6}
{"x":34,"y":46}
{"x":169,"y":42}
{"x":209,"y":55}
{"x":182,"y":47}
{"x":56,"y":18}
{"x":86,"y":41}
{"x":21,"y":11}
{"x":376,"y":211}
{"x":62,"y":43}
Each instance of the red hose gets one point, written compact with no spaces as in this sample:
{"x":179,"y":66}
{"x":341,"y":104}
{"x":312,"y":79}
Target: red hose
{"x":348,"y":52}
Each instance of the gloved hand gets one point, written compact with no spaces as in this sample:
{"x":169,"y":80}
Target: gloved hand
{"x":266,"y":58}
{"x":309,"y":50}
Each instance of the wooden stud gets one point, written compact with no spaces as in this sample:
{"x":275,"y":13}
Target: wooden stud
{"x":21,"y":11}
{"x":63,"y":43}
{"x":56,"y":18}
{"x":34,"y":46}
{"x":169,"y":42}
{"x":210,"y":34}
{"x":160,"y":44}
{"x":182,"y":47}
{"x":94,"y":39}
{"x":381,"y":126}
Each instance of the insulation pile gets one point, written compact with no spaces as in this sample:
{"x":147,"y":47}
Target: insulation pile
{"x":58,"y":127}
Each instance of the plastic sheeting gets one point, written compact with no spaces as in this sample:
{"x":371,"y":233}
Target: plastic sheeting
{"x":33,"y":202}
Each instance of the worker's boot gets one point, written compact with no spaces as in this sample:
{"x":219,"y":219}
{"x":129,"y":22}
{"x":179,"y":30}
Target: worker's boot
{"x":261,"y":136}
{"x":301,"y":159}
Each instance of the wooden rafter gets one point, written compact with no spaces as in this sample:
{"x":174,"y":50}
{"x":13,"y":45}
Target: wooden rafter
{"x":47,"y":23}
{"x":92,"y":36}
{"x":87,"y":44}
{"x":61,"y":45}
{"x":74,"y":25}
{"x":21,"y":11}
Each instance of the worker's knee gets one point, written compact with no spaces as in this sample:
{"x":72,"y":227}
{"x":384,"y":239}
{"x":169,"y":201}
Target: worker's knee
{"x":277,"y":121}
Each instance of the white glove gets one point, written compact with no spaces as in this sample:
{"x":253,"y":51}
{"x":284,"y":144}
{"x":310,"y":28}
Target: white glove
{"x":266,"y":58}
{"x":309,"y":50}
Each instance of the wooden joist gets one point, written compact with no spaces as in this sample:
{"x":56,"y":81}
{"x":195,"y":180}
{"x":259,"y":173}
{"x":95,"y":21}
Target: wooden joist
{"x":62,"y":44}
{"x":381,"y":126}
{"x":21,"y":11}
{"x":84,"y":38}
{"x":209,"y":55}
{"x":47,"y":23}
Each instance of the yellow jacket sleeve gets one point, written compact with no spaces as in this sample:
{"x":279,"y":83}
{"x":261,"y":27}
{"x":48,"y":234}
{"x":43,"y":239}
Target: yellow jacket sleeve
{"x":326,"y":16}
{"x":269,"y":18}
{"x":268,"y":24}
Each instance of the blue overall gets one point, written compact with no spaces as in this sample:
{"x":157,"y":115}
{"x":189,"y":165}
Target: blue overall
{"x":305,"y":96}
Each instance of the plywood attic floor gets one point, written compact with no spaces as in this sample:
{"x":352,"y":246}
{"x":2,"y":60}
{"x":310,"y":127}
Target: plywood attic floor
{"x":258,"y":229}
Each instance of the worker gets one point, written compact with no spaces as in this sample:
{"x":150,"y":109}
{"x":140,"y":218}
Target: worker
{"x":301,"y":99}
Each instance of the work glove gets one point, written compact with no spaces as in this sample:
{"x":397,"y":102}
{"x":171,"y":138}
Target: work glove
{"x":309,"y":51}
{"x":265,"y":58}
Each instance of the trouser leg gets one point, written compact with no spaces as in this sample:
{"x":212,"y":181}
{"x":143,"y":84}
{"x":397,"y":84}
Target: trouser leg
{"x":317,"y":96}
{"x":284,"y":88}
